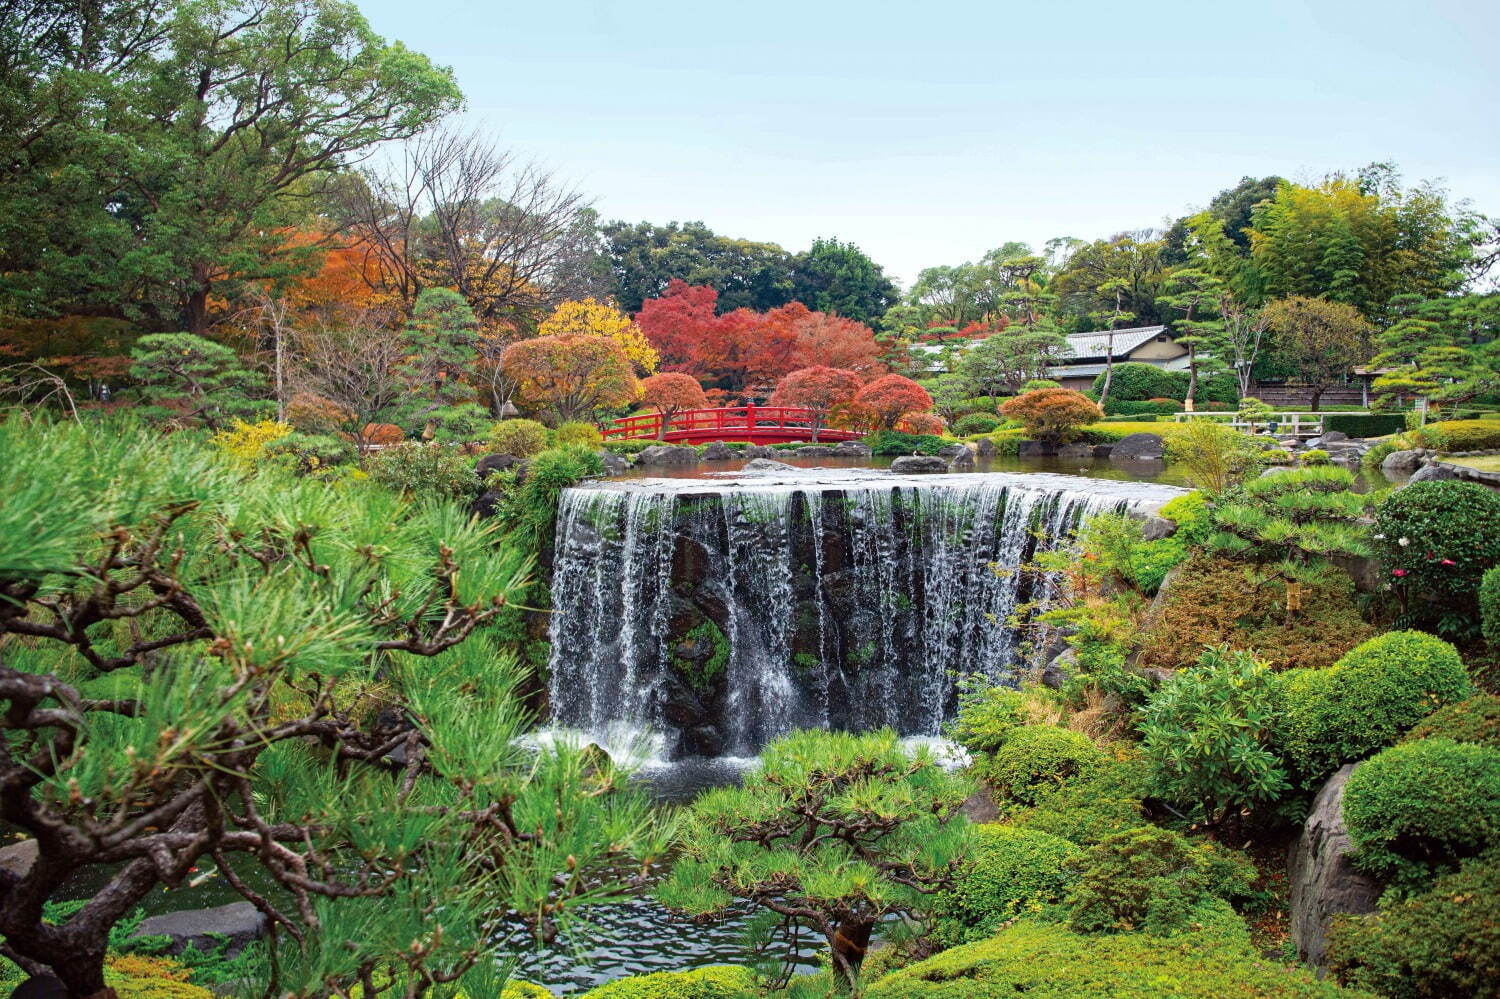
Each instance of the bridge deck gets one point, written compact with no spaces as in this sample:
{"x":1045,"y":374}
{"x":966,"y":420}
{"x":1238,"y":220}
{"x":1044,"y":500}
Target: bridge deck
{"x":741,"y":424}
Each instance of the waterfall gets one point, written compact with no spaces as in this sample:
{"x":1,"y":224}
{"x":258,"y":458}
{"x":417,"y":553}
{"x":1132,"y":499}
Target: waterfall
{"x":721,"y":614}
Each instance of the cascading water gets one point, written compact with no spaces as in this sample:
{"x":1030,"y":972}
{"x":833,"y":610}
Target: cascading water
{"x":723,"y":614}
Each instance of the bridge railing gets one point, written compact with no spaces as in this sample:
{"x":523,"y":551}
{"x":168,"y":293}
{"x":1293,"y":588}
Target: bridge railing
{"x":729,"y":421}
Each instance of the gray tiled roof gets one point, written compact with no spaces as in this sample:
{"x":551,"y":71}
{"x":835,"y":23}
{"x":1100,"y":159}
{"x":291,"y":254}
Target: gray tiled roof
{"x":1083,"y":346}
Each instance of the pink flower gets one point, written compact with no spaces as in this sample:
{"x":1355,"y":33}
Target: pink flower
{"x":1449,"y":561}
{"x":1398,"y":572}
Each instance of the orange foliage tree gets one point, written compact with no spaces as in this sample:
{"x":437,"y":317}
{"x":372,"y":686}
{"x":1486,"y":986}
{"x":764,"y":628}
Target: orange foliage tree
{"x":574,"y":375}
{"x":922,"y":423}
{"x":817,"y":388}
{"x":669,"y":394}
{"x":887,"y":399}
{"x":1052,"y":415}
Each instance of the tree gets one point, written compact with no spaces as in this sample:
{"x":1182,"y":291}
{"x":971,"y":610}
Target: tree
{"x":949,"y":394}
{"x":1128,"y":268}
{"x":156,"y":151}
{"x":439,"y":343}
{"x":838,"y":278}
{"x":1319,"y":339}
{"x":1360,"y":241}
{"x":819,"y":389}
{"x":1440,"y":349}
{"x":276,"y":660}
{"x":645,"y":259}
{"x":886,"y":400}
{"x":833,"y":833}
{"x":1111,"y":318}
{"x":1052,"y":415}
{"x":1195,"y":294}
{"x":355,"y":367}
{"x":592,"y":318}
{"x":678,"y":322}
{"x":1243,"y":333}
{"x":671,"y":393}
{"x":1001,"y":363}
{"x":459,"y":212}
{"x":574,"y":375}
{"x":197,"y":379}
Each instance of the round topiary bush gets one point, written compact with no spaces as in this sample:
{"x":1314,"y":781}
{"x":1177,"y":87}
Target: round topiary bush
{"x":1474,"y":720}
{"x":425,"y":470}
{"x":518,"y":438}
{"x":1133,"y":381}
{"x":1443,"y":942}
{"x":1366,"y":700}
{"x":1489,"y":606}
{"x":1012,"y":872}
{"x":1035,"y":759}
{"x":585,"y":434}
{"x":975,"y":423}
{"x":1422,"y":806}
{"x":1439,"y":538}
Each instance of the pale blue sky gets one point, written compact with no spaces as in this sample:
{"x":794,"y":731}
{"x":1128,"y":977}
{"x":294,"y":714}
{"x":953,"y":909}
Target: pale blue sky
{"x":929,"y":133}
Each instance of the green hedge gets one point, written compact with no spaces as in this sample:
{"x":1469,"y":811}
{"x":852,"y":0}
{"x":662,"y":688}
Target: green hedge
{"x":1420,"y":807}
{"x":1444,"y":942}
{"x":1036,"y":758}
{"x":1041,"y":961}
{"x":1439,"y":538}
{"x":1474,"y":720}
{"x":1366,"y":700}
{"x":1012,"y":872}
{"x":1365,"y":425}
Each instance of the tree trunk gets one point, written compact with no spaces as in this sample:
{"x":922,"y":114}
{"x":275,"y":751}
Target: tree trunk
{"x":1317,"y":396}
{"x":83,"y":974}
{"x":1109,"y":371}
{"x":661,"y":427}
{"x":1192,"y":389}
{"x":849,"y":942}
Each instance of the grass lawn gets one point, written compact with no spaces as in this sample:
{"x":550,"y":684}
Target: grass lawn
{"x":1487,"y":463}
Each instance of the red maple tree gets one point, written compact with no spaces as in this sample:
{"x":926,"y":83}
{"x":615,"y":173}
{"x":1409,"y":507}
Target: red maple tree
{"x":670,"y":393}
{"x":886,"y":400}
{"x":819,"y":389}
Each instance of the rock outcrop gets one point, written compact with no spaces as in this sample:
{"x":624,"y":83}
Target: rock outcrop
{"x":1139,"y":447}
{"x":1322,"y":880}
{"x":240,"y":923}
{"x":667,"y":454}
{"x":919,"y":464}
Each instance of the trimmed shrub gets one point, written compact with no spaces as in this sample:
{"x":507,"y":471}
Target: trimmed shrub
{"x":1360,"y":425}
{"x":1142,"y":407}
{"x":1489,"y":606}
{"x":1037,"y":758}
{"x":518,"y":438}
{"x":628,"y":447}
{"x":987,"y":717}
{"x":1208,"y":734}
{"x":1443,"y":942}
{"x":569,"y":434}
{"x":1094,"y":805}
{"x":975,"y":423}
{"x":1420,"y":807}
{"x":1366,"y":700}
{"x":1474,"y":720}
{"x":1040,"y":383}
{"x":1012,"y":872}
{"x":1212,"y":960}
{"x":1191,"y":515}
{"x":1459,"y":435}
{"x":425,"y":470}
{"x":1213,"y":601}
{"x":1314,"y":456}
{"x":1441,"y":537}
{"x":1052,"y":415}
{"x":1153,"y":879}
{"x":1133,"y":381}
{"x":460,"y":423}
{"x":894,"y":443}
{"x":312,"y":452}
{"x":716,"y":982}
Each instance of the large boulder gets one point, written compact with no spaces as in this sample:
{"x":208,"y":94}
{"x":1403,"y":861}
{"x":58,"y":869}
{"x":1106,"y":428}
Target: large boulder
{"x":1330,"y":437}
{"x":614,"y":464}
{"x":667,"y":454}
{"x":963,"y":461}
{"x":1035,"y":449}
{"x":951,"y":451}
{"x":1401,"y":462}
{"x":1432,"y":473}
{"x":240,"y":923}
{"x":492,"y":463}
{"x":487,"y":503}
{"x":18,"y":857}
{"x":815,"y":451}
{"x":1076,"y":451}
{"x":851,"y":449}
{"x":1139,"y":447}
{"x":1323,"y":882}
{"x":768,"y":465}
{"x":985,"y":447}
{"x":919,"y":464}
{"x":718,"y":451}
{"x":759,"y":451}
{"x":1155,"y":528}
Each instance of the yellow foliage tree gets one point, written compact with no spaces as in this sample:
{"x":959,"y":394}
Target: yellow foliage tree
{"x":590,"y":317}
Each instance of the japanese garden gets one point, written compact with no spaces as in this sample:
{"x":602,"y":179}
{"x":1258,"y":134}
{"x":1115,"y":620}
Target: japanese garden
{"x":415,"y":582}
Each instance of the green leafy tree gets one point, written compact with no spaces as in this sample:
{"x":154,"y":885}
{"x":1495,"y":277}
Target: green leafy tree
{"x":1084,"y":287}
{"x":1300,"y":518}
{"x":1193,"y":295}
{"x":1003,"y":362}
{"x":157,"y":151}
{"x":1209,"y":734}
{"x":293,"y":684}
{"x":839,"y":278}
{"x":645,"y":258}
{"x":1439,"y":349}
{"x":195,"y":379}
{"x":1318,"y":339}
{"x":833,"y":833}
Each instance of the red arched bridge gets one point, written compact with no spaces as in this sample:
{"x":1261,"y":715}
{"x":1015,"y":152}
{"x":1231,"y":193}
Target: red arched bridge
{"x":745,"y":424}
